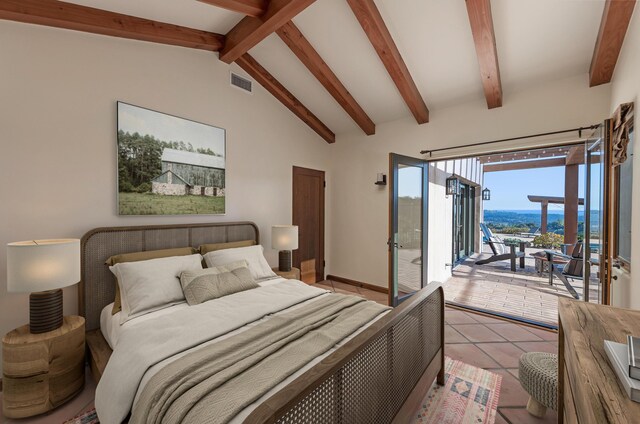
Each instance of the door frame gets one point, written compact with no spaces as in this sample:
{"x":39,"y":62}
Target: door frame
{"x":608,"y":193}
{"x":471,"y":219}
{"x":298,"y":170}
{"x":395,"y":159}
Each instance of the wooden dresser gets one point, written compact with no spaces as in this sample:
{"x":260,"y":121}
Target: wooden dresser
{"x":588,"y":388}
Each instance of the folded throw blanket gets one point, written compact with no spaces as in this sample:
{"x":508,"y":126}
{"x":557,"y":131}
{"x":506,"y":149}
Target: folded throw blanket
{"x":214,"y":383}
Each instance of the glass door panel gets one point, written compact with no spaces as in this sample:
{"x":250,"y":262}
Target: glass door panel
{"x":594,"y":271}
{"x":407,"y":238}
{"x":463,"y":222}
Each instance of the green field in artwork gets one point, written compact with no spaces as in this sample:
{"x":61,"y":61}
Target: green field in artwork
{"x":157,"y":204}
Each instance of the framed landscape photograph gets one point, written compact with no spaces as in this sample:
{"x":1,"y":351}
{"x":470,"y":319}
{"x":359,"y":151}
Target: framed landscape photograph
{"x":169,"y":165}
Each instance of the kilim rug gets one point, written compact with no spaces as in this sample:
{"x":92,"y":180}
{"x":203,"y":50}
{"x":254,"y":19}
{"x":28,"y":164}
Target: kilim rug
{"x":469,"y":395}
{"x":89,"y":417}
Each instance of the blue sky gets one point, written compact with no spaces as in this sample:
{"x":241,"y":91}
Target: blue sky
{"x":509,"y":189}
{"x":410,"y":181}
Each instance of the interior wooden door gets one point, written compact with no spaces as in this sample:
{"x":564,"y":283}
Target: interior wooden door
{"x":308,"y":215}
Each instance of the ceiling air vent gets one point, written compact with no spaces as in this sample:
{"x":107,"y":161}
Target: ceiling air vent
{"x":242,"y":83}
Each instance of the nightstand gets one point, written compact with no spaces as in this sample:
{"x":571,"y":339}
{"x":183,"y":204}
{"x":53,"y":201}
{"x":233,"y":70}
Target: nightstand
{"x":294,"y":274}
{"x":42,"y":371}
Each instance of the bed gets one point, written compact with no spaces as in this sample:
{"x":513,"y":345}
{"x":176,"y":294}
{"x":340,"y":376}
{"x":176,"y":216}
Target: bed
{"x":369,"y":376}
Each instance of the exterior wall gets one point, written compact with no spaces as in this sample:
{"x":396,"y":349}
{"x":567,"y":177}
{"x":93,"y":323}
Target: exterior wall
{"x":441,"y":212}
{"x":168,"y":189}
{"x":208,"y":191}
{"x":196,"y":175}
{"x":625,"y":87}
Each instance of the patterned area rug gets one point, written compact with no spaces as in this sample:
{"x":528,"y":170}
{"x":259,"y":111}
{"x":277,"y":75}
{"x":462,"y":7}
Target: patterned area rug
{"x":88,"y":417}
{"x":469,"y":395}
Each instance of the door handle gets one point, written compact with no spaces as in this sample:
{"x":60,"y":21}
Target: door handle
{"x":393,"y":244}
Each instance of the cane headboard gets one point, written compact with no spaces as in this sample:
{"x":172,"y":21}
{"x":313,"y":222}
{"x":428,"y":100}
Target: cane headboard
{"x":97,"y":287}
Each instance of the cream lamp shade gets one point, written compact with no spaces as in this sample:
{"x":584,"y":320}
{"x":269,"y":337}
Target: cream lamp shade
{"x":41,"y":265}
{"x":284,"y":237}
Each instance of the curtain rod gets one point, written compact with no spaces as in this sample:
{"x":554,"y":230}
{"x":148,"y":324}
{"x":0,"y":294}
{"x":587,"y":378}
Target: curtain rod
{"x":483,"y":143}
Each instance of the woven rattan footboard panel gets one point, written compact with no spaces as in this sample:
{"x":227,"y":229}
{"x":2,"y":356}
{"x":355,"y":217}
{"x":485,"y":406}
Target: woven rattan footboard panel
{"x":97,"y":287}
{"x":369,"y":380}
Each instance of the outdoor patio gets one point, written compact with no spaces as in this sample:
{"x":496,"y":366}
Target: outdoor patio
{"x":523,"y":294}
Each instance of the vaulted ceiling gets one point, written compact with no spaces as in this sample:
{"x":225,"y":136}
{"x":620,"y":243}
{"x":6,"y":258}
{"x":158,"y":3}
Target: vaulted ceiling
{"x":415,"y":55}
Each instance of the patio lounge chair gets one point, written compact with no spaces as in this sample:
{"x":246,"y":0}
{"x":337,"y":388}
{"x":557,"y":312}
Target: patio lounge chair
{"x":533,"y":234}
{"x":571,"y":270}
{"x":501,"y":251}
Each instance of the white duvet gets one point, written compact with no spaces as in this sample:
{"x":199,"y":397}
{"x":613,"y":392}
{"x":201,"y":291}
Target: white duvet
{"x":144,"y":347}
{"x":110,"y":323}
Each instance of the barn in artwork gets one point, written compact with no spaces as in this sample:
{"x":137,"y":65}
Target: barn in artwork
{"x":185,"y":172}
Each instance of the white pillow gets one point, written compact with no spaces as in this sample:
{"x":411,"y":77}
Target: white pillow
{"x":254,"y":256}
{"x":146,"y":286}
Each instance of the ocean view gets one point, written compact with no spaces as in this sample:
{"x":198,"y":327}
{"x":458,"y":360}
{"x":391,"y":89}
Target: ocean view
{"x":531,"y":218}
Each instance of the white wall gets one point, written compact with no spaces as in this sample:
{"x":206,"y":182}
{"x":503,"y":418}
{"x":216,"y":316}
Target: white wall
{"x":360,"y":209}
{"x":440,"y":224}
{"x":625,"y":87}
{"x":58,"y":92}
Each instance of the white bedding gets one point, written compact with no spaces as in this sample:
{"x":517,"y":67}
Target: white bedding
{"x":238,"y":419}
{"x":110,"y":324}
{"x":143,"y":347}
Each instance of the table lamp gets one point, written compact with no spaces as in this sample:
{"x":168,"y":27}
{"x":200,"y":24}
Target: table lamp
{"x":42,"y":268}
{"x":285,"y":239}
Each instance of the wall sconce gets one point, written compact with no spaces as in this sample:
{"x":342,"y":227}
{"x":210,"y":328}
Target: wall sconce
{"x":486,"y":194}
{"x":381,"y":179}
{"x":453,"y":186}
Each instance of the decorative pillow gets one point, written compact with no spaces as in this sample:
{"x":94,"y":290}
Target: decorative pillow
{"x":143,"y":256}
{"x":147,"y":286}
{"x":254,"y":256}
{"x":212,"y":247}
{"x":212,"y":283}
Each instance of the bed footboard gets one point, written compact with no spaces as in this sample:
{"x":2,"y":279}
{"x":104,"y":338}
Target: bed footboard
{"x":370,"y":378}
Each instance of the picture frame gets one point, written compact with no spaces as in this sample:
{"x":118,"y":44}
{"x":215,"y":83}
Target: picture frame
{"x":168,"y":165}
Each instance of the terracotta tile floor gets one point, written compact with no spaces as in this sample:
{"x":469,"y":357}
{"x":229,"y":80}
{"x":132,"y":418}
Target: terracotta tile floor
{"x":478,"y":340}
{"x":472,"y":338}
{"x":494,"y":287}
{"x":489,"y":343}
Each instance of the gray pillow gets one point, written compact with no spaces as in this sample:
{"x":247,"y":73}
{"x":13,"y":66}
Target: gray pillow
{"x":207,"y":284}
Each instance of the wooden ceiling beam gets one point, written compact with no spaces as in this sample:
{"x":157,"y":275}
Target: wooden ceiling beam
{"x":265,"y":79}
{"x":301,"y":47}
{"x":88,"y":19}
{"x":373,"y":25}
{"x":246,"y":7}
{"x":613,"y":28}
{"x":251,"y":30}
{"x":485,"y":41}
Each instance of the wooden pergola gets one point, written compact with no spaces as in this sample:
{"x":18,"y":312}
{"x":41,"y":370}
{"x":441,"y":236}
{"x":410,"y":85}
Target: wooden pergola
{"x":569,"y":219}
{"x":569,"y":157}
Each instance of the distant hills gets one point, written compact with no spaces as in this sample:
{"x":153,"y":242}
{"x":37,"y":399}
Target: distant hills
{"x":531,"y":218}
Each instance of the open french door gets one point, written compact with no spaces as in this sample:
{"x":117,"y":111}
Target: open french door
{"x":597,"y":217}
{"x":408,"y":199}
